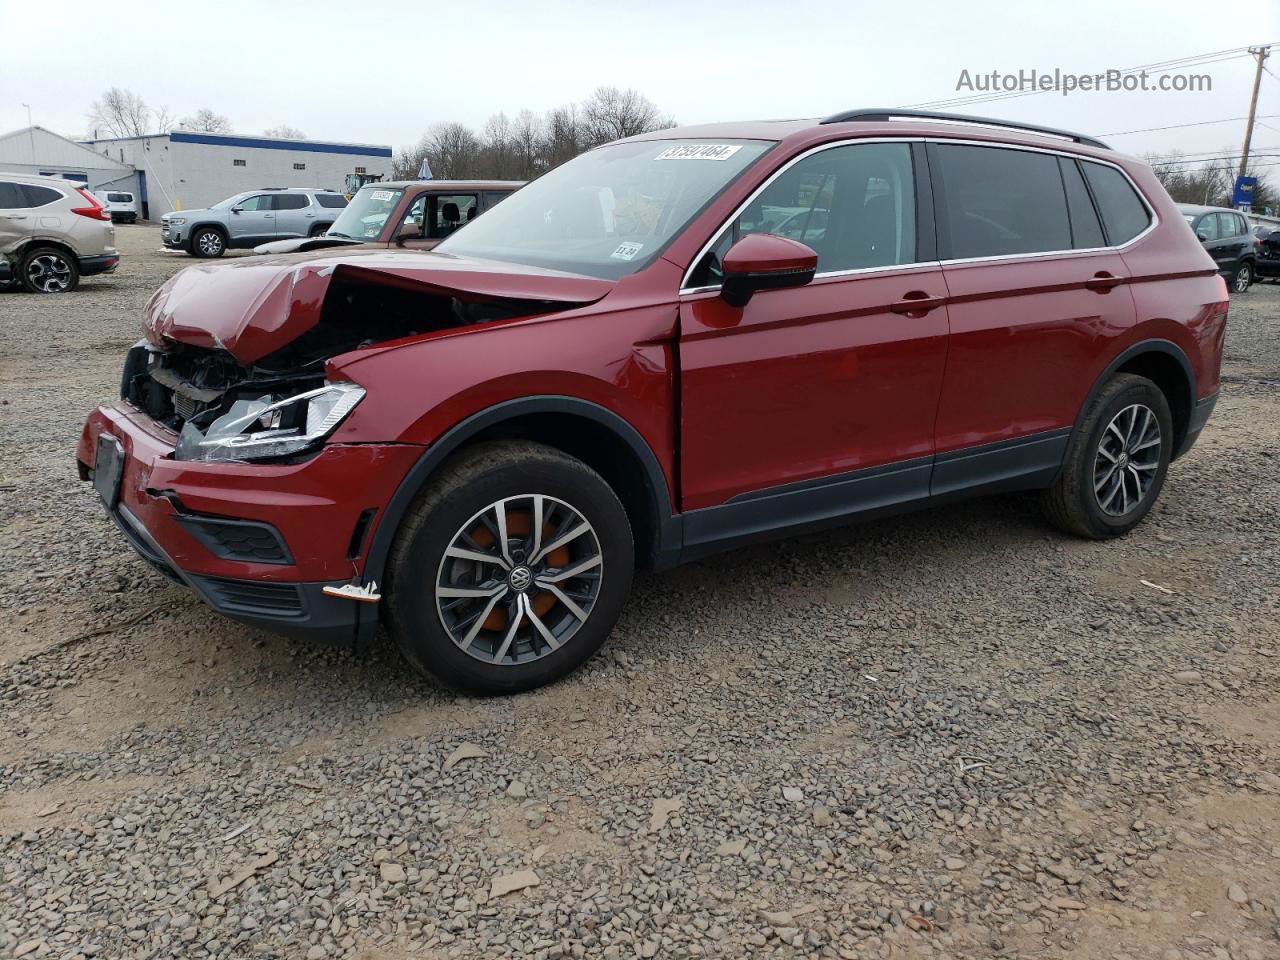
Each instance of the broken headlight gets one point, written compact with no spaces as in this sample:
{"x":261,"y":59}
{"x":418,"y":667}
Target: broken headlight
{"x":267,"y":427}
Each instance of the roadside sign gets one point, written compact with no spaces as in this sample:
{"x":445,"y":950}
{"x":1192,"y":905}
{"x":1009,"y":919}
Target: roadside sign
{"x":1243,"y":196}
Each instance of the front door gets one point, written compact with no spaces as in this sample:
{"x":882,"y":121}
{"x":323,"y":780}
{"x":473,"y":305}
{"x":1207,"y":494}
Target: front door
{"x":252,"y":221}
{"x":817,"y":401}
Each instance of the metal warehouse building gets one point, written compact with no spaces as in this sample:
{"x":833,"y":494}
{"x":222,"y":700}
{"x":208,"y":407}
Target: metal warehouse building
{"x":35,"y":150}
{"x":183,"y":170}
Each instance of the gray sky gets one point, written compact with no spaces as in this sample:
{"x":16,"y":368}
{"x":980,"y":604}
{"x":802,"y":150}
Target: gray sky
{"x":384,"y":77}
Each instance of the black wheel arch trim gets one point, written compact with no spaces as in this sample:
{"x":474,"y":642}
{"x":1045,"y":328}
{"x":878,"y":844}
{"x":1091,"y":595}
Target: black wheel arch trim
{"x":1154,"y":345}
{"x":214,"y":224}
{"x":665,"y":551}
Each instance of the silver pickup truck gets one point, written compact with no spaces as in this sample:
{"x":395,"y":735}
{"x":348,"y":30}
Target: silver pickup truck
{"x":248,"y":219}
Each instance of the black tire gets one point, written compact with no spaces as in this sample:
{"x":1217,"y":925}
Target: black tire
{"x":319,"y":229}
{"x":1242,"y":277}
{"x":1075,"y":503}
{"x":466,"y":489}
{"x":48,"y":270}
{"x":208,"y":242}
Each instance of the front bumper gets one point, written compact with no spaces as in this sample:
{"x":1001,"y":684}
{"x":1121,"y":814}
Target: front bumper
{"x":258,"y":542}
{"x":171,"y":236}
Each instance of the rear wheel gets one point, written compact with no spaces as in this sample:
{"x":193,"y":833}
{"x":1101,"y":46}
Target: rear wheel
{"x":319,"y":229}
{"x":49,"y":270}
{"x":1116,"y":463}
{"x":510,"y":571}
{"x":1242,"y":279}
{"x":208,"y":242}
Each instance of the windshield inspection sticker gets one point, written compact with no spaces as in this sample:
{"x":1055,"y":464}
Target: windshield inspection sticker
{"x":381,"y":195}
{"x":700,"y":151}
{"x":627,"y":250}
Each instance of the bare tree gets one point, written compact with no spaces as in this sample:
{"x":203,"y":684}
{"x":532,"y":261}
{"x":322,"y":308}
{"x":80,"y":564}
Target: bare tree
{"x":119,"y":113}
{"x":285,"y":132}
{"x":205,"y":120}
{"x":611,"y":114}
{"x":564,"y":139}
{"x":527,"y":141}
{"x":163,"y":120}
{"x":499,"y":148}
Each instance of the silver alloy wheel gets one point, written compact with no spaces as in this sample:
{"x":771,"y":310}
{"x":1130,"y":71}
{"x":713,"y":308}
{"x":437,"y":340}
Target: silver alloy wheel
{"x":210,"y":243}
{"x":519,"y":579}
{"x":1243,"y":276}
{"x":1127,"y":460}
{"x":49,"y":273}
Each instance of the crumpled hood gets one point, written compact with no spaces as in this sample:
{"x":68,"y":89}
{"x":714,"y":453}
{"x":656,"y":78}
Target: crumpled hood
{"x":253,"y":306}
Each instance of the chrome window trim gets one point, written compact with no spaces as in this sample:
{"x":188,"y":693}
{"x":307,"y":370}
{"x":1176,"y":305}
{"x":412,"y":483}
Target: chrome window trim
{"x":1037,"y":255}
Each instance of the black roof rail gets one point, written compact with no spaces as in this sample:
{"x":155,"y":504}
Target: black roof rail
{"x":877,"y":114}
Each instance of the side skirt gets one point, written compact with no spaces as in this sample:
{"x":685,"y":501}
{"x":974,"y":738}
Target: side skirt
{"x":1025,"y":463}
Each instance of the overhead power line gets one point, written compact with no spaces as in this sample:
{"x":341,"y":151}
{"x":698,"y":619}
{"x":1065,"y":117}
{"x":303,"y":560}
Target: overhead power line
{"x":1178,"y":126}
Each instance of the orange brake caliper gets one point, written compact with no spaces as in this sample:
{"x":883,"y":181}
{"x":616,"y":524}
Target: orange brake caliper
{"x":518,"y":524}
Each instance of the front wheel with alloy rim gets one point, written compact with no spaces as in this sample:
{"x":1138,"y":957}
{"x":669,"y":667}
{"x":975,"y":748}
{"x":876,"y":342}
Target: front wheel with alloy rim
{"x":49,"y":270}
{"x":510,"y":570}
{"x":208,"y":242}
{"x":1116,"y":462}
{"x":1242,"y":279}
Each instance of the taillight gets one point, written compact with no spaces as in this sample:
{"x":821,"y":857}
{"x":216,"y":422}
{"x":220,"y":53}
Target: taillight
{"x":95,"y":210}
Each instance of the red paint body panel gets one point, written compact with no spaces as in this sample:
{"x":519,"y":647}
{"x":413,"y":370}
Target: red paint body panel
{"x":807,"y":382}
{"x":314,"y":505}
{"x":1027,"y":342}
{"x":263,"y":303}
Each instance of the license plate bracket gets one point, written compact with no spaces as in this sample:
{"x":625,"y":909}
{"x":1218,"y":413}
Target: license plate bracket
{"x":107,"y":469}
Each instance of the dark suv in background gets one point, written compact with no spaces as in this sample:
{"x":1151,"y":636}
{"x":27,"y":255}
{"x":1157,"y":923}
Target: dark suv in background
{"x":1227,"y":238}
{"x":622,"y":364}
{"x":251,"y":218}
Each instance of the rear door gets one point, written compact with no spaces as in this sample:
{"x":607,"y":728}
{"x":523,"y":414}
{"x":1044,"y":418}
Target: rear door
{"x":816,"y":401}
{"x":1234,"y":237}
{"x":294,"y":213}
{"x":1036,"y":296}
{"x":15,"y":216}
{"x":252,"y":220}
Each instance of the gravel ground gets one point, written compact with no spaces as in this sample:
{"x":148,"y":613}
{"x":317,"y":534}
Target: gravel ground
{"x":955,"y":734}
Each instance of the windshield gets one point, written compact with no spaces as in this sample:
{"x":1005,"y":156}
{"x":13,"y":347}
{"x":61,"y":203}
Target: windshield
{"x":364,"y":217}
{"x":608,"y":212}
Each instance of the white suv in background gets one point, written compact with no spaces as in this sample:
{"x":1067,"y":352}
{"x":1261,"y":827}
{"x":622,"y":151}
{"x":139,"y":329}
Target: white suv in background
{"x":52,"y":233}
{"x":121,"y":204}
{"x":251,"y":218}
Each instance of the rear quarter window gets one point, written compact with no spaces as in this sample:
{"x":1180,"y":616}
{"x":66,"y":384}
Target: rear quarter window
{"x":1124,"y":215}
{"x":333,"y":201}
{"x":39,"y":196}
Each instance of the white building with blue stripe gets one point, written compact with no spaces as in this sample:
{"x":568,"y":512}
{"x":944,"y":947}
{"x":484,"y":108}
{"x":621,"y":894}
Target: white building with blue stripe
{"x":185,"y":170}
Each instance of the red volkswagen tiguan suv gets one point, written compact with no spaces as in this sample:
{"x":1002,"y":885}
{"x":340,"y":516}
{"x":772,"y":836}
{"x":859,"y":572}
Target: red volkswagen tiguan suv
{"x":672,"y":344}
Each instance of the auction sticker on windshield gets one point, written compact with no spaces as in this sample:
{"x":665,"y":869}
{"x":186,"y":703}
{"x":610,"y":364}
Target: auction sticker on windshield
{"x":700,"y":151}
{"x":627,"y":250}
{"x":381,"y":195}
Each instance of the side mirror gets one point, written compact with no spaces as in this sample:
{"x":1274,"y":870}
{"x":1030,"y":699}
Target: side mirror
{"x":764,"y":261}
{"x":1202,"y":236}
{"x":237,"y":209}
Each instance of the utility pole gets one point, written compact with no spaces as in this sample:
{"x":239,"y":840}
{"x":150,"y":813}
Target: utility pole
{"x":1260,"y":54}
{"x":31,"y":132}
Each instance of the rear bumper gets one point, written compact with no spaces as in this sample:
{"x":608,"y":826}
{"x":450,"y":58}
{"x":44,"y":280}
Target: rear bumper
{"x":1199,"y":417}
{"x":103,"y":263}
{"x":259,"y":542}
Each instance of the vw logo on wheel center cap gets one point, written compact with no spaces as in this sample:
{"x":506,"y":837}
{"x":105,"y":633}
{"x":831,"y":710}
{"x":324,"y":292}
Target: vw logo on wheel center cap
{"x":520,"y":579}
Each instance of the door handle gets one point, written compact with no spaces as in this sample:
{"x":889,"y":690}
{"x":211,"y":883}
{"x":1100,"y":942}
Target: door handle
{"x":311,"y":215}
{"x":916,"y":303}
{"x":1102,"y":281}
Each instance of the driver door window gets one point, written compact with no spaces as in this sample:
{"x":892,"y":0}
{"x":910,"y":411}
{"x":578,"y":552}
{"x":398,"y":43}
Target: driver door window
{"x":853,"y":205}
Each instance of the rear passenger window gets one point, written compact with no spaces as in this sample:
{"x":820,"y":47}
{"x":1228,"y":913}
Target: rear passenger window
{"x":11,"y":197}
{"x":1086,"y":231}
{"x":332,"y":201}
{"x":39,"y":196}
{"x":853,"y":205}
{"x":999,"y":202}
{"x":1123,"y":213}
{"x":1230,"y":225}
{"x":290,"y":201}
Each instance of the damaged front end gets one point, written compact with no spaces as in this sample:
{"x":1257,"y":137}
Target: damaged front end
{"x":253,"y":384}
